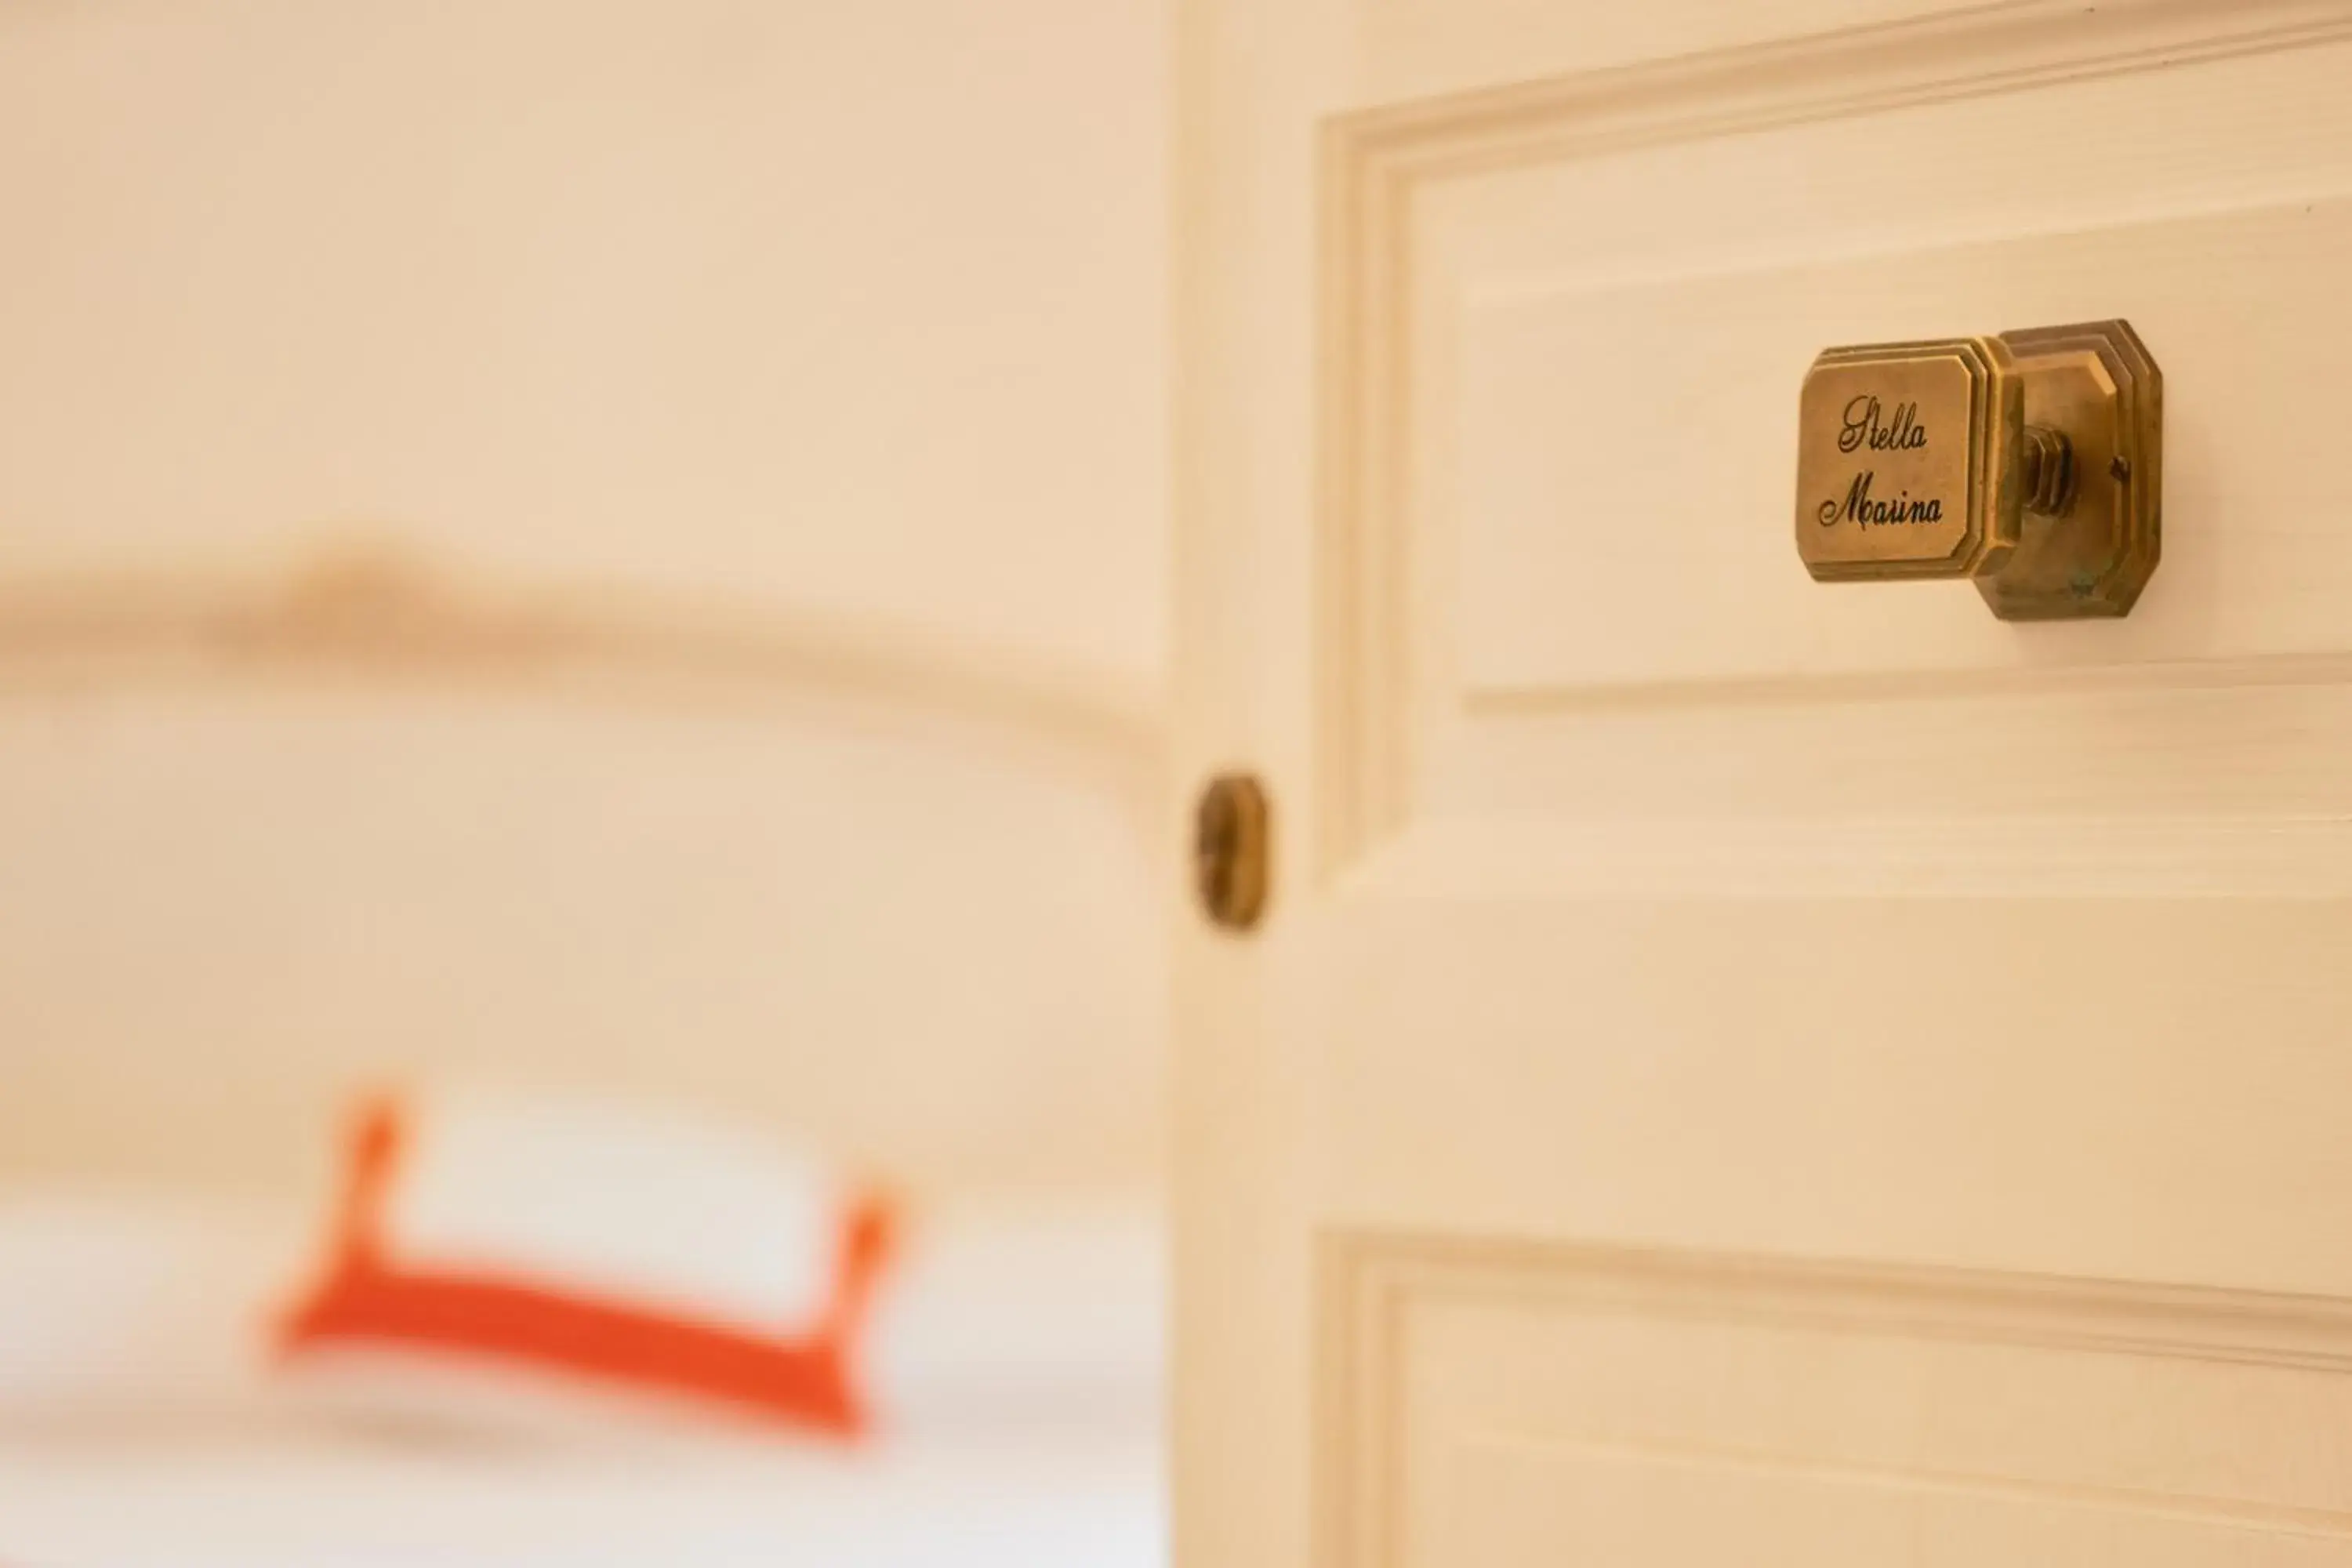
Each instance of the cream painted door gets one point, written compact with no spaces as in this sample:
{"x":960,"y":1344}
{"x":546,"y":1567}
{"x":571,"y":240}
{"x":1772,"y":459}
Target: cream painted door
{"x":1738,"y":1070}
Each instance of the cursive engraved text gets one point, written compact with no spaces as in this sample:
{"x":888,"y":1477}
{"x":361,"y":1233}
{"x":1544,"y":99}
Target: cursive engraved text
{"x":1860,"y":426}
{"x":1865,"y":511}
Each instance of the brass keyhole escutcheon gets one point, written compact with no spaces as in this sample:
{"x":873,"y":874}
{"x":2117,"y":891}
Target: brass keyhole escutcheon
{"x":2028,"y":461}
{"x":1232,"y":833}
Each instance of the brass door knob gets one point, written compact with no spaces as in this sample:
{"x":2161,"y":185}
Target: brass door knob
{"x":1233,"y":830}
{"x":2028,"y":461}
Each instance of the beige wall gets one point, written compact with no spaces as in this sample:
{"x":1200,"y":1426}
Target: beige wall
{"x":847,"y":316}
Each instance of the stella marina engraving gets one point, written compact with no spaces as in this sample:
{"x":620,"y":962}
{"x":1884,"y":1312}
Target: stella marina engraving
{"x":1861,"y":427}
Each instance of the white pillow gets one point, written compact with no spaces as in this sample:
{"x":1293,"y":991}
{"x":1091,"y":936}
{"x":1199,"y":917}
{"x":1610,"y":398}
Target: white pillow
{"x":999,"y":1311}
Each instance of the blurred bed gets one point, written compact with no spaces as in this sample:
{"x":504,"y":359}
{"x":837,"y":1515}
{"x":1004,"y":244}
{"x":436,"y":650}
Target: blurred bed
{"x":879,"y":900}
{"x":609,"y":549}
{"x":1018,"y":1423}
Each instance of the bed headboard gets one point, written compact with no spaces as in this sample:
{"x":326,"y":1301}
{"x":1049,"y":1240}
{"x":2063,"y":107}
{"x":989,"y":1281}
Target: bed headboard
{"x":751,"y":421}
{"x":272,"y":837}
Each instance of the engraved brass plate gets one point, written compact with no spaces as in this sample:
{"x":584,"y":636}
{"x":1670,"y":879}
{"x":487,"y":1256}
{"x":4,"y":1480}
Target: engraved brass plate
{"x":1899,"y":445}
{"x":2028,"y":461}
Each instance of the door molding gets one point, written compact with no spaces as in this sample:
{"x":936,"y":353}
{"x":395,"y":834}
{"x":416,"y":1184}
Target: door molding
{"x":1377,"y":1292}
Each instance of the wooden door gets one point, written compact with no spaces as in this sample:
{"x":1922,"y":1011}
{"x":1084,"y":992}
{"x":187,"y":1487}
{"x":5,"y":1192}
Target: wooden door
{"x":1736,"y":1069}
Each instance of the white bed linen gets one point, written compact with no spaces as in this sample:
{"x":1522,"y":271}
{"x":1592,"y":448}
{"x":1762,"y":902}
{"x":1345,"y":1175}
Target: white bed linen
{"x":120,"y":1496}
{"x":138,"y":1427}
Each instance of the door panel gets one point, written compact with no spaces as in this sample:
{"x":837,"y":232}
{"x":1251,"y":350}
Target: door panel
{"x":1628,"y":1407}
{"x":1737,"y":1067}
{"x":1654,"y":573}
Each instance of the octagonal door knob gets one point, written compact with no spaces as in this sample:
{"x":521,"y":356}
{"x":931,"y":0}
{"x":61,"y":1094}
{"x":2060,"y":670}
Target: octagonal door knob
{"x":2028,"y":461}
